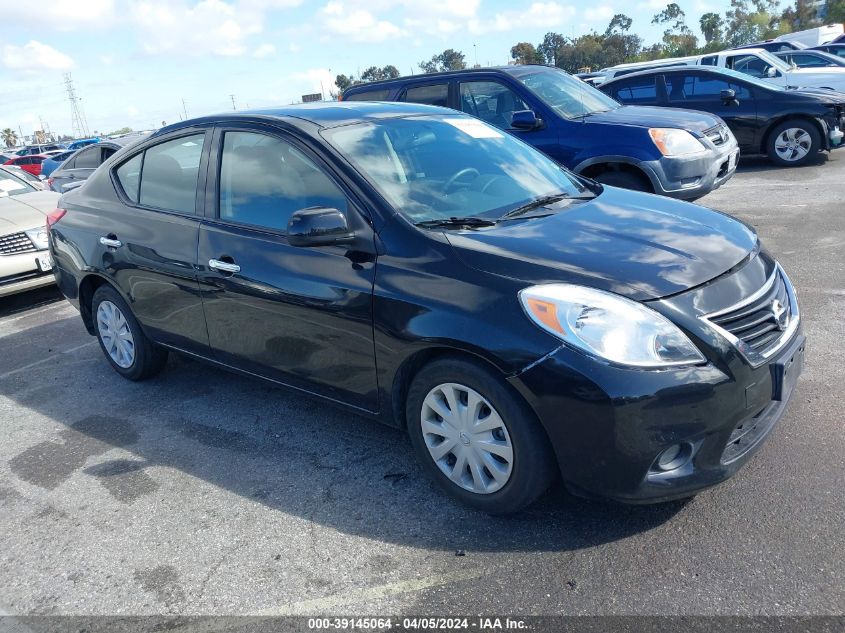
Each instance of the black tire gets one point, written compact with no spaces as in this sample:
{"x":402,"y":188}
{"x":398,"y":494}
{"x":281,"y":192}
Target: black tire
{"x":808,"y":132}
{"x":533,"y":467}
{"x":625,"y":180}
{"x":148,"y":359}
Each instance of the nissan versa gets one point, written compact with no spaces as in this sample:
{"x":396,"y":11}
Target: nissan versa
{"x":421,"y":266}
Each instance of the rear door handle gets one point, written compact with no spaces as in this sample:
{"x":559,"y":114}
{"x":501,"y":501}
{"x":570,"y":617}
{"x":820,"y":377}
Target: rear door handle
{"x":111,"y":243}
{"x":224,"y":267}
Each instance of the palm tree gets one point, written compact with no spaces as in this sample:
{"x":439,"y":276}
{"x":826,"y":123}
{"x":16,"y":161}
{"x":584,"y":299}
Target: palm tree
{"x":9,"y":137}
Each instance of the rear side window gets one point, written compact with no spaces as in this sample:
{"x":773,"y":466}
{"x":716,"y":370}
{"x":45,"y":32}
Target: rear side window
{"x":169,"y":174}
{"x":682,"y":88}
{"x":370,"y":95}
{"x":437,"y":95}
{"x":642,"y":90}
{"x":264,"y":179}
{"x":87,"y":159}
{"x":129,"y":176}
{"x":491,"y":101}
{"x":709,"y":61}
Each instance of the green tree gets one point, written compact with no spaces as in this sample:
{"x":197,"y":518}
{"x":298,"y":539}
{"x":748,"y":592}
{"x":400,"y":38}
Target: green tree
{"x":678,"y":40}
{"x":526,"y":53}
{"x":550,"y":48}
{"x":123,"y":130}
{"x":802,"y":15}
{"x":712,"y":26}
{"x":749,"y":21}
{"x":343,"y":82}
{"x":374,"y":73}
{"x":449,"y":59}
{"x":835,"y":11}
{"x":9,"y":137}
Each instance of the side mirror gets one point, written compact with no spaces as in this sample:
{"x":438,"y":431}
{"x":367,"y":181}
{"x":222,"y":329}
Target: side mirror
{"x":525,"y":120}
{"x":728,"y":97}
{"x":318,"y":226}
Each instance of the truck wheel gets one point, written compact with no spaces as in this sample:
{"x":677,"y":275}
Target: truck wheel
{"x":625,"y":180}
{"x":793,"y":143}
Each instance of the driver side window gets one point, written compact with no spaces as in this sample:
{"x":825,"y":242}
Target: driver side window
{"x":264,"y":179}
{"x":491,"y":101}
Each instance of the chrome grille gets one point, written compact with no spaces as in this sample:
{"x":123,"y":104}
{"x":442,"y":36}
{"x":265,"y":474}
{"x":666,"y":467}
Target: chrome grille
{"x":762,"y":323}
{"x":16,"y":243}
{"x":718,"y":134}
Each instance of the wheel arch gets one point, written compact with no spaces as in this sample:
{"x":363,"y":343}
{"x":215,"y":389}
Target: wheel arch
{"x":592,"y":167}
{"x":87,"y":287}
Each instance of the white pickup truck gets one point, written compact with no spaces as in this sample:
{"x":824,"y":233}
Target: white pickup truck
{"x":760,"y":63}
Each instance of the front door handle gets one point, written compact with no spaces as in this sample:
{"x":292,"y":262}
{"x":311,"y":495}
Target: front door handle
{"x":110,"y":242}
{"x":223,"y":267}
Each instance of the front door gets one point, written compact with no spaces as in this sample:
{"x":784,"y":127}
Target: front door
{"x":298,"y":315}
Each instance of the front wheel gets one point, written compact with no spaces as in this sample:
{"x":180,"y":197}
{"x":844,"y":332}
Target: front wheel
{"x":793,"y":143}
{"x":476,"y":438}
{"x":130,"y":353}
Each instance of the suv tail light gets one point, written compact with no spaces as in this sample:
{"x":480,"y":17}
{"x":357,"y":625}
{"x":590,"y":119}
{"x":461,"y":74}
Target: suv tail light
{"x":55,"y":216}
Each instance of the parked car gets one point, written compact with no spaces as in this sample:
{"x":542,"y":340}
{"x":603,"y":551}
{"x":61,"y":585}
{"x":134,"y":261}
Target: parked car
{"x":25,"y":262}
{"x":30,"y":163}
{"x":763,"y":65}
{"x":38,"y":149}
{"x":774,"y":46}
{"x":788,"y":126}
{"x":80,"y":166}
{"x":833,"y":49}
{"x":83,"y":143}
{"x":53,"y":162}
{"x":35,"y":181}
{"x":680,"y":155}
{"x":423,"y":267}
{"x":811,"y":59}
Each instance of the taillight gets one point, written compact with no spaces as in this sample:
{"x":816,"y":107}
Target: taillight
{"x":55,"y":216}
{"x":50,"y":183}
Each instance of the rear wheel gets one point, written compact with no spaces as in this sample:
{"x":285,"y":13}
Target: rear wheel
{"x":793,"y":143}
{"x":476,"y":438}
{"x":128,"y":350}
{"x":625,"y":180}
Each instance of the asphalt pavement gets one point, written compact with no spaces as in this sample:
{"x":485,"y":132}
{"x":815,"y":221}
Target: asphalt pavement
{"x":202,"y":492}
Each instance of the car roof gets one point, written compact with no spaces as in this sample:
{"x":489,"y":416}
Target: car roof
{"x":515,"y":70}
{"x":713,"y":70}
{"x":323,"y":114}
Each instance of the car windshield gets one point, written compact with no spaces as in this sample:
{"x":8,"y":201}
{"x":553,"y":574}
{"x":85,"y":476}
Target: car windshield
{"x":774,"y":61}
{"x":13,"y":185}
{"x":760,"y":83}
{"x":438,"y":167}
{"x":568,"y":96}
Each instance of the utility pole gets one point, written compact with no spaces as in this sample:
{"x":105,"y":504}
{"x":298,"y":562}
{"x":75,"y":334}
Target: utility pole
{"x":78,"y":123}
{"x":233,"y":102}
{"x":475,"y":48}
{"x":184,"y":108}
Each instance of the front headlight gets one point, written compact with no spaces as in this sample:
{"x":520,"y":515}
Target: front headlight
{"x":38,"y":237}
{"x":674,"y":142}
{"x":606,"y":325}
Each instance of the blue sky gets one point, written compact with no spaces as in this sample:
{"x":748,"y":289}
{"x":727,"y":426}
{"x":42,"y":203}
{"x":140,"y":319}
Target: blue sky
{"x":133,"y":61}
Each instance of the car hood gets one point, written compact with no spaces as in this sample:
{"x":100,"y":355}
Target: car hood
{"x":27,"y":210}
{"x":635,"y":244}
{"x":650,"y":116}
{"x":822,"y":95}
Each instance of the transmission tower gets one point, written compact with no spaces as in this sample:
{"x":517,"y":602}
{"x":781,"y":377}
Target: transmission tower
{"x":77,"y":117}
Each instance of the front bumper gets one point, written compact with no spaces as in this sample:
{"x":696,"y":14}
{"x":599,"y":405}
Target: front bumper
{"x":691,"y":177}
{"x":20,"y":272}
{"x":608,"y":424}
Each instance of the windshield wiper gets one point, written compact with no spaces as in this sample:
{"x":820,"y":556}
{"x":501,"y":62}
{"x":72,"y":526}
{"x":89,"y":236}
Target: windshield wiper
{"x":535,"y":204}
{"x":454,"y":222}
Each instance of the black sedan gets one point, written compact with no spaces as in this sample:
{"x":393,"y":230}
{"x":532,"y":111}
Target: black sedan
{"x":833,"y":49}
{"x":420,"y":266}
{"x":789,"y":126}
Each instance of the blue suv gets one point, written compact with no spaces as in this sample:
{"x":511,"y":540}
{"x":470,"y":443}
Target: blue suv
{"x":673,"y":152}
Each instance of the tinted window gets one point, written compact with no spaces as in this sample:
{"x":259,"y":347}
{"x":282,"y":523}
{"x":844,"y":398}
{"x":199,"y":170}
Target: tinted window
{"x":169,"y":174}
{"x":749,"y":65}
{"x":808,"y":61}
{"x":491,"y":102}
{"x":264,"y":179}
{"x":129,"y":176}
{"x":87,"y":159}
{"x":370,"y":95}
{"x":568,"y":96}
{"x":709,"y":61}
{"x":641,"y":90}
{"x":437,"y":95}
{"x":683,"y":87}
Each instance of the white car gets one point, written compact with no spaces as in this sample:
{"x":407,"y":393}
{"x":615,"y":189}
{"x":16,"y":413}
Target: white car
{"x":24,"y":259}
{"x":757,"y":62}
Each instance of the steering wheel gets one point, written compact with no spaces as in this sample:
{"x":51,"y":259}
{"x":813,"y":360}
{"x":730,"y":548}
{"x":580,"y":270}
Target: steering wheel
{"x":466,"y":171}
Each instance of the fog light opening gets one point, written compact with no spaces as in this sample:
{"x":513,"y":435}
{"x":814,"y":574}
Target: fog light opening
{"x":673,"y":457}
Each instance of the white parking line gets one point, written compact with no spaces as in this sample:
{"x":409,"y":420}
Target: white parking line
{"x":45,"y":360}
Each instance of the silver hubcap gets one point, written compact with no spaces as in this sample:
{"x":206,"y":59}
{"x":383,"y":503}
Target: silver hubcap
{"x":467,"y":438}
{"x":793,"y":144}
{"x":115,"y":334}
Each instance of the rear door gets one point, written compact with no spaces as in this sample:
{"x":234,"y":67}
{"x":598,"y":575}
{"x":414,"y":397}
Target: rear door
{"x":299,"y":315}
{"x":79,"y":167}
{"x":702,"y":91}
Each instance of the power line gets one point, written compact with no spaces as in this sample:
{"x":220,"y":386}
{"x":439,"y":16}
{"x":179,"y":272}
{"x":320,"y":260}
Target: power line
{"x":77,"y":117}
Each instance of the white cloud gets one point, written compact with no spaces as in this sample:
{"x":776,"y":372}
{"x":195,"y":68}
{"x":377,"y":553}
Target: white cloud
{"x":599,"y":13}
{"x":357,"y":24}
{"x":35,"y":56}
{"x":61,"y":15}
{"x":312,"y":80}
{"x":264,"y":50}
{"x":132,"y":111}
{"x":539,"y":14}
